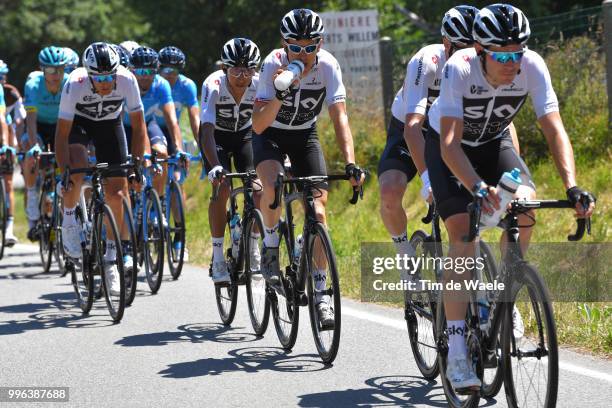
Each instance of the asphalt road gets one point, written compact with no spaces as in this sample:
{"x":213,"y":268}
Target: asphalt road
{"x":170,"y":350}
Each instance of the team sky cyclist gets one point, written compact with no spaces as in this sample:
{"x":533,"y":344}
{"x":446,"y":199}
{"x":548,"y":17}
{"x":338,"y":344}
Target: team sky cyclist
{"x":228,"y":96}
{"x":156,"y":96}
{"x":90,"y":112}
{"x":42,"y":98}
{"x":284,"y":122}
{"x":482,"y":90}
{"x":15,"y":115}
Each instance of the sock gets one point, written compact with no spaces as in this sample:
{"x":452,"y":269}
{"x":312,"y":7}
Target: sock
{"x":320,"y":278}
{"x":32,"y":210}
{"x":9,"y":223}
{"x":456,"y":338}
{"x":271,"y":238}
{"x":111,"y":251}
{"x":403,"y":247}
{"x":255,"y":244}
{"x":69,"y":217}
{"x":217,"y":249}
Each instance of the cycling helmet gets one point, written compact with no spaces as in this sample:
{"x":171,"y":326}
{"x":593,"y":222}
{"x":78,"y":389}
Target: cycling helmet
{"x":240,"y":52}
{"x":130,"y":46}
{"x":4,"y":69}
{"x":501,"y":25}
{"x":457,"y":25}
{"x":52,"y":57}
{"x":124,"y":56}
{"x":301,"y":24}
{"x":72,"y":59}
{"x":100,"y":58}
{"x":144,"y":57}
{"x":172,"y":57}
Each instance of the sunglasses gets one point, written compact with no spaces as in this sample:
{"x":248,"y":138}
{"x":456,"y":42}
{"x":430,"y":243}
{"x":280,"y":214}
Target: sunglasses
{"x":103,"y":78}
{"x":144,"y":71}
{"x":296,"y":49}
{"x":52,"y":70}
{"x":503,"y":57}
{"x":169,"y":70}
{"x":238,"y":72}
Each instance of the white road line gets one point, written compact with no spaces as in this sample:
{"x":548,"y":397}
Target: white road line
{"x":401,"y":325}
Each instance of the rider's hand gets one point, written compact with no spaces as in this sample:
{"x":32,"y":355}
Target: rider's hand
{"x":215,"y":175}
{"x":426,"y":192}
{"x":356,"y":174}
{"x":490,"y":197}
{"x":573,"y":195}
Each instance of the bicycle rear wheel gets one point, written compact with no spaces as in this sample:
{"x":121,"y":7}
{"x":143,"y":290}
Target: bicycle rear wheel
{"x":529,"y":348}
{"x":107,"y":233}
{"x":323,"y":286}
{"x":84,"y":281}
{"x":130,"y":249}
{"x":153,"y":241}
{"x":3,"y":217}
{"x":258,"y":301}
{"x":56,"y":234}
{"x":175,"y":239}
{"x":45,"y":226}
{"x":285,"y":310}
{"x":420,"y":313}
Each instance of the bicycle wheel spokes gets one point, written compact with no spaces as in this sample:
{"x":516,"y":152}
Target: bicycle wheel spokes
{"x":111,"y":264}
{"x":323,"y":294}
{"x":130,"y":256}
{"x":154,"y":241}
{"x":176,"y":230}
{"x":420,"y":312}
{"x":259,"y":303}
{"x":529,"y":349}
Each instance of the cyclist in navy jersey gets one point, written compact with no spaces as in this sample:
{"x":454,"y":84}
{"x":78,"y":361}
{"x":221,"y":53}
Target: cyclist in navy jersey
{"x":468,"y":147}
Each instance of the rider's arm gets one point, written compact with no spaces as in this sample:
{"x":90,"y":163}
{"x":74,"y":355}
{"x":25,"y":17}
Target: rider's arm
{"x":344,"y":138}
{"x":30,"y":103}
{"x":172,"y":123}
{"x":4,"y":135}
{"x":451,"y":134}
{"x":139,"y":133}
{"x":194,"y":120}
{"x":62,"y":133}
{"x":514,"y":137}
{"x":208,"y":144}
{"x":560,"y":147}
{"x":414,"y":139}
{"x":266,"y":105}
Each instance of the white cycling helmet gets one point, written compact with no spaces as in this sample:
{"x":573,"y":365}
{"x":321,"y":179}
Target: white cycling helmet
{"x":301,"y":24}
{"x":240,"y":52}
{"x":501,"y":25}
{"x":457,"y":25}
{"x":129,"y":46}
{"x":101,"y":58}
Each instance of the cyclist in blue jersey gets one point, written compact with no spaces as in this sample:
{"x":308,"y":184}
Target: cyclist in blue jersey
{"x":72,"y":60}
{"x":156,"y":96}
{"x":42,"y":99}
{"x":184,"y":92}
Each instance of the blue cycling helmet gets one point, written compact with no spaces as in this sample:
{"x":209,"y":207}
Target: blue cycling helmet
{"x":52,"y":57}
{"x":4,"y":69}
{"x":124,"y":55}
{"x":72,"y":59}
{"x":172,"y":57}
{"x":144,"y":57}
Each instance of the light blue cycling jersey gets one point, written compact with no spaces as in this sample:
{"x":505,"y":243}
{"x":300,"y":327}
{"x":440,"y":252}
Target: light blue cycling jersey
{"x":2,"y":103}
{"x":184,"y":94}
{"x":38,"y":99}
{"x":154,"y":99}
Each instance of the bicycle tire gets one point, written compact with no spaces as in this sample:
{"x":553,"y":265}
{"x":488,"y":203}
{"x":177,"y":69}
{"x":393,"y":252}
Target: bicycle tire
{"x":176,"y":230}
{"x":3,"y":217}
{"x":327,"y":346}
{"x":226,"y":294}
{"x":257,"y":299}
{"x":58,"y":245}
{"x":539,"y":300}
{"x":82,"y":275}
{"x":154,"y":239}
{"x":420,"y":320}
{"x":131,"y":274}
{"x":45,"y":247}
{"x":115,"y":303}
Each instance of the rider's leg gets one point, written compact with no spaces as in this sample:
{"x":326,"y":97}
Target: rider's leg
{"x":159,"y":180}
{"x":70,"y":227}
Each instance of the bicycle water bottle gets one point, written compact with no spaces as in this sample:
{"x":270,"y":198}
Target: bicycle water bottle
{"x":235,"y":231}
{"x":483,"y":310}
{"x":297,"y":250}
{"x":286,"y":78}
{"x":506,"y":188}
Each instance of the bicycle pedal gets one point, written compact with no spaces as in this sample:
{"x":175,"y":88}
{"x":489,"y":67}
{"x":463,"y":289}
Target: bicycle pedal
{"x":327,"y":327}
{"x":222,"y":284}
{"x":490,"y":359}
{"x":467,"y":391}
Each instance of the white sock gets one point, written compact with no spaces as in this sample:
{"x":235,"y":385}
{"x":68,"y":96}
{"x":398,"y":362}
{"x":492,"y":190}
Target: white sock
{"x":456,"y":338}
{"x":320,"y":278}
{"x":9,"y":223}
{"x":217,"y":249}
{"x":69,"y":216}
{"x":271,"y":238}
{"x":111,"y":251}
{"x":403,"y":247}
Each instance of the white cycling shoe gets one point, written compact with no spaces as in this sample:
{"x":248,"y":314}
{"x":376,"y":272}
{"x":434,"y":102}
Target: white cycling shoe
{"x":461,"y":374}
{"x":220,"y":274}
{"x":72,"y":241}
{"x":111,"y":274}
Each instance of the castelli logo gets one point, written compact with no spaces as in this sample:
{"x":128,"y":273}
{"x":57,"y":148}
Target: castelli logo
{"x":435,"y":59}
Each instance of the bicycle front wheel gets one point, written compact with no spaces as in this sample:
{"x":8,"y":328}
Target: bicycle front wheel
{"x":258,"y":301}
{"x":130,"y":250}
{"x":529,"y":344}
{"x":113,"y":278}
{"x":175,"y":239}
{"x":3,"y":218}
{"x":153,"y":228}
{"x":45,"y":226}
{"x":83,"y":275}
{"x":420,"y":313}
{"x":56,"y":235}
{"x":323,"y":290}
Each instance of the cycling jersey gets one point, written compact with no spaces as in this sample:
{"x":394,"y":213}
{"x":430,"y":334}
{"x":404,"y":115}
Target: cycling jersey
{"x":80,"y":99}
{"x":38,"y":99}
{"x":34,"y":74}
{"x":487,"y":111}
{"x":219,"y":106}
{"x":2,"y":103}
{"x":184,"y":94}
{"x":422,"y":83}
{"x":158,"y":95}
{"x":300,"y":109}
{"x":14,"y":103}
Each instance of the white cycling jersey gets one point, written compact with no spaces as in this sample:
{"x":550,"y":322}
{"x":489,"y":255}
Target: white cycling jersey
{"x":79,"y":97}
{"x":301,"y":108}
{"x":487,"y":111}
{"x":219,"y":106}
{"x":422,"y":83}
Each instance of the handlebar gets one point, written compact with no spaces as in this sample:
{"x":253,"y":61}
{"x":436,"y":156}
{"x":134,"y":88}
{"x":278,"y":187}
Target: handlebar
{"x":429,"y":217}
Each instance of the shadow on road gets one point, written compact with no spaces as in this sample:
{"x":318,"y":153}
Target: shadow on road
{"x":190,"y":333}
{"x":59,"y":310}
{"x":250,"y":360}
